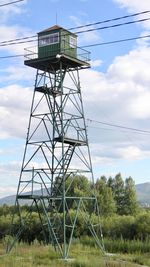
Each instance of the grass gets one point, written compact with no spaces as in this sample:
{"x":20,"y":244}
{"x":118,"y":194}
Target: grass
{"x":127,"y":246}
{"x":83,"y":255}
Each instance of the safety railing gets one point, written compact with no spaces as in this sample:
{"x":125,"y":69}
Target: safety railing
{"x":78,"y":53}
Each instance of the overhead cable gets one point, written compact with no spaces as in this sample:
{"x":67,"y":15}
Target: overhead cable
{"x":18,"y":39}
{"x":94,"y":29}
{"x":93,"y":45}
{"x":118,"y":41}
{"x":16,"y":43}
{"x":10,"y":3}
{"x":113,"y":26}
{"x":119,"y":126}
{"x":109,"y":20}
{"x":13,"y":56}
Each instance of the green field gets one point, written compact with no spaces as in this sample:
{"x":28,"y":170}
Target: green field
{"x":82,"y":255}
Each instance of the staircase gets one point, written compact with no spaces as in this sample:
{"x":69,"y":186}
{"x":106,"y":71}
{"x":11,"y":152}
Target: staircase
{"x":61,"y":170}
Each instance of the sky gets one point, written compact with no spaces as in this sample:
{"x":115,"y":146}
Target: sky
{"x":115,"y":90}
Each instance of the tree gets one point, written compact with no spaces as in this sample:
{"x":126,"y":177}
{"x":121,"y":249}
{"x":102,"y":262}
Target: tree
{"x":130,"y":198}
{"x":119,"y":193}
{"x":105,"y":197}
{"x":110,"y":183}
{"x":76,"y":187}
{"x":79,"y":186}
{"x":124,"y":194}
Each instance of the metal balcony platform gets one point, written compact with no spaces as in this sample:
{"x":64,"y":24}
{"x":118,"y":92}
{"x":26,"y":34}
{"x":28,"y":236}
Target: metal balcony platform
{"x":70,"y":141}
{"x":51,"y":64}
{"x":47,"y":90}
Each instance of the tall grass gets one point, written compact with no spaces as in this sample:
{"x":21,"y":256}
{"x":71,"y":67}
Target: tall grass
{"x":83,"y":254}
{"x":120,"y":245}
{"x":127,"y":246}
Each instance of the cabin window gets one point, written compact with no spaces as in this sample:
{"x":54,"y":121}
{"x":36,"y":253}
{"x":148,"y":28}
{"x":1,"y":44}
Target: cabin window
{"x":73,"y":42}
{"x":49,"y":39}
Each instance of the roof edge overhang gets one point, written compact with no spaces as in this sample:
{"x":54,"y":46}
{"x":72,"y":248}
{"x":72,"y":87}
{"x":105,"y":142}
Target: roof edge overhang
{"x":55,"y":27}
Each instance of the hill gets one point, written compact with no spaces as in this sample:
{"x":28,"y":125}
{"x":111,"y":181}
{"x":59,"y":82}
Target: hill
{"x":10,"y":200}
{"x":143,"y":195}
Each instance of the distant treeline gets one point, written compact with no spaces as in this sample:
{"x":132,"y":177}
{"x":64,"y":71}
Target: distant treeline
{"x":128,"y":227}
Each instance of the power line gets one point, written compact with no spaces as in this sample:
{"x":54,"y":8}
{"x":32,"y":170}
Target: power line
{"x":93,"y":45}
{"x":14,"y":56}
{"x":89,"y":30}
{"x":109,"y":20}
{"x":121,"y":130}
{"x":10,"y":3}
{"x":118,"y":41}
{"x":114,"y":25}
{"x":16,"y":43}
{"x":119,"y":126}
{"x":87,"y":46}
{"x":18,"y":39}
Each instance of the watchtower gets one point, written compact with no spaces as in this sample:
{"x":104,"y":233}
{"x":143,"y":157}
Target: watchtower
{"x":56,"y":40}
{"x":57,"y":152}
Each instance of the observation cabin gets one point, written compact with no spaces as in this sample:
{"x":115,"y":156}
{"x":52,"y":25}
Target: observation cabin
{"x":56,"y":45}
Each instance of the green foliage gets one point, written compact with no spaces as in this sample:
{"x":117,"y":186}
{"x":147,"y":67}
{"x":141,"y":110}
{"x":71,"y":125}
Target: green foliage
{"x":116,"y":196}
{"x":119,"y":193}
{"x":78,"y":186}
{"x":143,"y":226}
{"x":119,"y":227}
{"x":130,"y":198}
{"x":105,"y":198}
{"x":124,"y":194}
{"x":118,"y":209}
{"x":126,"y":246}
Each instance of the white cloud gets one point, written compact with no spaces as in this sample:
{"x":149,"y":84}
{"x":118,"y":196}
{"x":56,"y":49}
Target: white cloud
{"x":119,"y":96}
{"x":131,"y":67}
{"x":110,"y":154}
{"x":85,"y":37}
{"x":9,"y":176}
{"x":11,"y":33}
{"x":75,"y":20}
{"x":12,"y":166}
{"x":14,"y":110}
{"x":88,"y":37}
{"x":134,"y":5}
{"x":124,"y":88}
{"x":17,"y":72}
{"x":96,"y":63}
{"x":137,"y":6}
{"x":141,"y":108}
{"x":11,"y":10}
{"x":133,"y":153}
{"x":143,"y":42}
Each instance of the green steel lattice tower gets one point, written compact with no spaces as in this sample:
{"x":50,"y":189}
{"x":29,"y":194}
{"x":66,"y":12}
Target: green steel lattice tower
{"x":57,"y":151}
